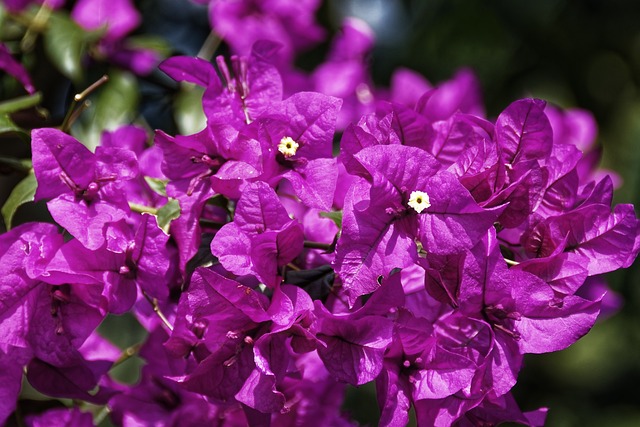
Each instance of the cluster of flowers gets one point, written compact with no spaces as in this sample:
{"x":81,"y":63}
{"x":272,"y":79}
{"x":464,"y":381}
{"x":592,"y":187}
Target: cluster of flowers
{"x":429,"y":256}
{"x":107,"y":25}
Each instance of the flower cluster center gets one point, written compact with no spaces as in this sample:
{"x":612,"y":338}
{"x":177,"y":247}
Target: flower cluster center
{"x":288,"y":146}
{"x":419,"y":201}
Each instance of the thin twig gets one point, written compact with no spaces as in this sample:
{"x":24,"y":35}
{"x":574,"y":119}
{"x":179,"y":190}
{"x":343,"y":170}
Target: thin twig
{"x":77,"y":112}
{"x":209,"y":46}
{"x":71,"y":115}
{"x":293,"y":267}
{"x":156,"y":309}
{"x":20,"y":103}
{"x":127,"y":353}
{"x":101,"y":415}
{"x":95,"y":85}
{"x":37,"y":24}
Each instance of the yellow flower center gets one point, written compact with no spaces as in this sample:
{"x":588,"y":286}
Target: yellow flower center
{"x":288,"y":146}
{"x":419,"y":201}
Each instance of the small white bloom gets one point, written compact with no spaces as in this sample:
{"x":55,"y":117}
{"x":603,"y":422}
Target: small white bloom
{"x":419,"y":201}
{"x":288,"y":146}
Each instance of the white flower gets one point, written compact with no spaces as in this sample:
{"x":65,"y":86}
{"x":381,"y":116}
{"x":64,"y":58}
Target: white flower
{"x":419,"y":201}
{"x":288,"y":146}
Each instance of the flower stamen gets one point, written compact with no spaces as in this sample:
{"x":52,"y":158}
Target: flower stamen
{"x":419,"y":201}
{"x":288,"y":146}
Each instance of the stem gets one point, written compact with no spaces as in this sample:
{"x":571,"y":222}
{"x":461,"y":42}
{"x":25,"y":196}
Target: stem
{"x":20,"y":103}
{"x":135,"y":207}
{"x":511,"y":262}
{"x":101,"y":415}
{"x":72,"y":115}
{"x":156,"y":309}
{"x":37,"y":24}
{"x":209,"y":46}
{"x":127,"y":353}
{"x":95,"y":85}
{"x":293,"y":267}
{"x":77,"y":112}
{"x":317,"y":245}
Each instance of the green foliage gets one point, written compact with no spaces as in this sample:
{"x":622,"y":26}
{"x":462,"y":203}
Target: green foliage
{"x":7,"y":125}
{"x":335,"y":216}
{"x":168,"y":213}
{"x":21,"y":194}
{"x":157,"y":185}
{"x":115,"y":104}
{"x":188,"y":113}
{"x":65,"y":43}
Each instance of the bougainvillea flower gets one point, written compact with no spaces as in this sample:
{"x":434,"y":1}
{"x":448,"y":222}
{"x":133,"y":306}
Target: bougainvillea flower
{"x":390,"y":124}
{"x":291,"y":24}
{"x":158,"y":401}
{"x":12,"y":67}
{"x":234,"y":98}
{"x":60,"y":417}
{"x":345,"y":72}
{"x":460,"y":94}
{"x":19,"y":5}
{"x":261,"y":239}
{"x":217,"y":322}
{"x":296,"y":136}
{"x":355,"y":343}
{"x":523,"y":132}
{"x":407,"y":86}
{"x":522,"y":307}
{"x":499,"y":409}
{"x":380,"y":228}
{"x":433,"y":362}
{"x":13,"y":360}
{"x":26,"y":250}
{"x":215,"y":155}
{"x":84,"y":187}
{"x":315,"y":397}
{"x":275,"y":352}
{"x":591,"y":235}
{"x":149,"y":162}
{"x":48,"y":323}
{"x":131,"y":258}
{"x":116,"y":17}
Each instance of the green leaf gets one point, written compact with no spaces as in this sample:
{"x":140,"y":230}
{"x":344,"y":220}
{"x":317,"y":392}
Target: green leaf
{"x":188,"y":112}
{"x":118,"y":100}
{"x":168,"y":213}
{"x":116,"y":104}
{"x":157,"y":185}
{"x":21,"y":194}
{"x":65,"y":43}
{"x":7,"y":125}
{"x":149,"y":42}
{"x":335,"y":216}
{"x":21,"y":103}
